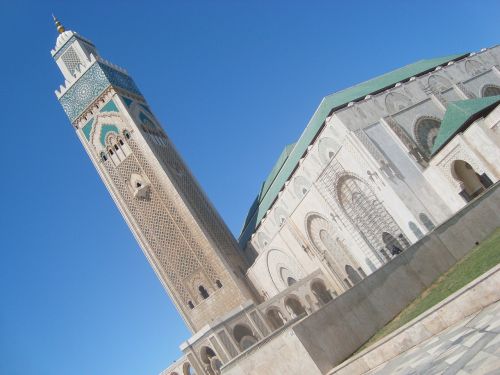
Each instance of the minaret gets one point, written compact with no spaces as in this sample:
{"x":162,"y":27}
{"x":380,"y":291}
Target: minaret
{"x":185,"y":240}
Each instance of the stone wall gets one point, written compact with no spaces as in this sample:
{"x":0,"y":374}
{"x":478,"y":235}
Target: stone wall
{"x":333,"y":333}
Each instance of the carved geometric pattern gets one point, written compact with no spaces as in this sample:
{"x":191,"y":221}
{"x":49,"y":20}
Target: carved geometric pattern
{"x":329,"y":245}
{"x":425,"y":133}
{"x":64,"y":47}
{"x":474,"y":67}
{"x":83,"y":92}
{"x":301,"y":186}
{"x":438,"y":83}
{"x":71,"y":60}
{"x":122,"y":80}
{"x":90,"y":85}
{"x":196,"y":199}
{"x":409,"y":143}
{"x":366,"y":211}
{"x":371,"y":147}
{"x":395,"y":102}
{"x":327,"y":187}
{"x":161,"y":224}
{"x":227,"y":344}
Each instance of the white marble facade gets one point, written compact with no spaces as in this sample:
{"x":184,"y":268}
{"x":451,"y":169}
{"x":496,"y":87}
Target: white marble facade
{"x":314,"y":224}
{"x":365,"y":189}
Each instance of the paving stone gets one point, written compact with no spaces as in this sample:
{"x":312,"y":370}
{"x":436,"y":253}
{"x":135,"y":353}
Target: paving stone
{"x":471,"y":346}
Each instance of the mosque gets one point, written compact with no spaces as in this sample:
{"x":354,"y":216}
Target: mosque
{"x":378,"y":167}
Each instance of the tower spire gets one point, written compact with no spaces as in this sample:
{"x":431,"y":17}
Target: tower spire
{"x":60,"y":28}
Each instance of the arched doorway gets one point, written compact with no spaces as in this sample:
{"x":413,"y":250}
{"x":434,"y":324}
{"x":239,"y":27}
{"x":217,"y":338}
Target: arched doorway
{"x":187,"y":369}
{"x":211,"y":362}
{"x":275,"y":318}
{"x":319,"y":290}
{"x":472,"y":183}
{"x":353,"y":274}
{"x":294,"y":307}
{"x":330,"y":248}
{"x":366,"y":212}
{"x":244,"y":336}
{"x":391,"y":244}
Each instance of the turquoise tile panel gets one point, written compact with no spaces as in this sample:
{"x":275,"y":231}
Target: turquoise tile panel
{"x":109,"y":107}
{"x":105,"y":129}
{"x":87,"y":129}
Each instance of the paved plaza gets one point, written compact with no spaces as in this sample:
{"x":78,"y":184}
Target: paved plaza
{"x":469,"y":347}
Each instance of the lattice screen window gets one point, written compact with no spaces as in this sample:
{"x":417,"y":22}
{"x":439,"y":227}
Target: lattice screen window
{"x":71,"y":60}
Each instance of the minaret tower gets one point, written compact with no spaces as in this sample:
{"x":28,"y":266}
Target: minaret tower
{"x":185,"y":240}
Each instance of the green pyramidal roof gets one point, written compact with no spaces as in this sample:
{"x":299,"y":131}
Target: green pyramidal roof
{"x":460,"y":114}
{"x":272,"y":186}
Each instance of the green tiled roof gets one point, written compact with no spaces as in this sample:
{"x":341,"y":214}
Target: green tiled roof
{"x":459,"y":115}
{"x":276,"y":169}
{"x":329,"y":104}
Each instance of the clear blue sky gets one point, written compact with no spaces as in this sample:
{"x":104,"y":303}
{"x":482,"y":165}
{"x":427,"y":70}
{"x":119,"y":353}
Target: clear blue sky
{"x":232,"y":82}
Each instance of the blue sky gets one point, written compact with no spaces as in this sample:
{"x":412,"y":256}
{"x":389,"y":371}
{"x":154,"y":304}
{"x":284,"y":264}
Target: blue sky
{"x":232,"y":82}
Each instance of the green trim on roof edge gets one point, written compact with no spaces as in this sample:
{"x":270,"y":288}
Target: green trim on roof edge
{"x":329,"y":104}
{"x":460,"y":114}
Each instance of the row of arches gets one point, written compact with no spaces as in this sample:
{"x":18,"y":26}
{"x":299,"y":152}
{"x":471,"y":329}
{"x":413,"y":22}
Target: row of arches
{"x":243,"y":335}
{"x":295,"y":306}
{"x":204,"y":293}
{"x":116,"y":147}
{"x":367,"y":216}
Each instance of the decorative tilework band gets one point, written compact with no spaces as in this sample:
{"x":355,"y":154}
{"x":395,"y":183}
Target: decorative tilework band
{"x":92,"y":84}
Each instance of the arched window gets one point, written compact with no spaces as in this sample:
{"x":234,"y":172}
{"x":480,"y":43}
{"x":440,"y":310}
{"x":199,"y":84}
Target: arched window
{"x":301,"y":186}
{"x":244,"y":336}
{"x":294,"y":307}
{"x":426,"y":131}
{"x":365,"y":211}
{"x":415,"y":229}
{"x":319,"y":290}
{"x":210,"y":359}
{"x":203,"y":292}
{"x":490,"y":90}
{"x":191,"y":305}
{"x":391,"y":244}
{"x":428,"y":224}
{"x":187,"y":369}
{"x":353,"y":274}
{"x":438,"y":83}
{"x":126,"y":134}
{"x":395,"y":102}
{"x":103,"y":156}
{"x":218,"y":283}
{"x":275,"y":318}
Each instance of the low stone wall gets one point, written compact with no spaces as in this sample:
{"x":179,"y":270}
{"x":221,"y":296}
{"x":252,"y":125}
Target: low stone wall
{"x":475,"y":296}
{"x":282,"y":353}
{"x":333,"y":333}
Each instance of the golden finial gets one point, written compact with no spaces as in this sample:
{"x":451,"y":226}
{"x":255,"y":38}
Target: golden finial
{"x":60,"y":28}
